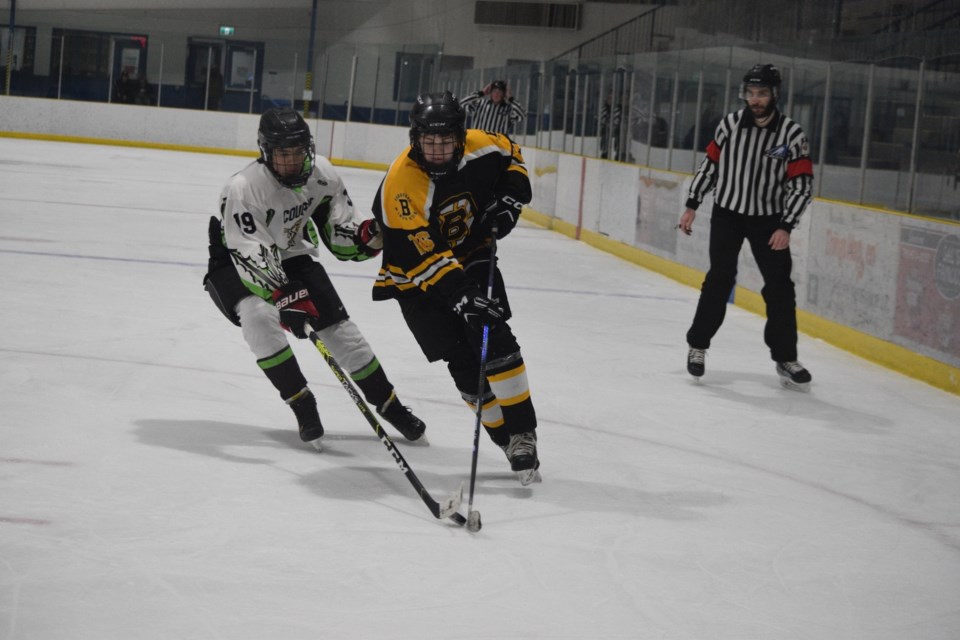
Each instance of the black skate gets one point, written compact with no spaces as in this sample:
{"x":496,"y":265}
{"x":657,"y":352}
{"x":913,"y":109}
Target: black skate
{"x":522,"y":455}
{"x":695,"y":362}
{"x":402,"y":419}
{"x":304,"y":406}
{"x":794,"y":376}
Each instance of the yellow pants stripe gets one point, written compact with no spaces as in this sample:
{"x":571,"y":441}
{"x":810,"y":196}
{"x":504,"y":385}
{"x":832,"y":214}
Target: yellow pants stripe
{"x":490,"y":416}
{"x":506,"y":402}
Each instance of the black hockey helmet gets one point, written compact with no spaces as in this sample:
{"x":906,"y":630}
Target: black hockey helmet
{"x":285,"y":129}
{"x":761,"y":75}
{"x":437,"y":113}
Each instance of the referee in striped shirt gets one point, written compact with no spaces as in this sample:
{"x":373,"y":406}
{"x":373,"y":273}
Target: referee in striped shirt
{"x":758,"y":167}
{"x":493,"y":108}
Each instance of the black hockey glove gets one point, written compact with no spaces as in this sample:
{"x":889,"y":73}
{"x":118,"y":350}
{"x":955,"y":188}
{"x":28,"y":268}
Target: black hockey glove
{"x":296,"y":308}
{"x":219,"y":254}
{"x":221,"y":280}
{"x":369,"y":238}
{"x":476,"y":309}
{"x":504,"y":211}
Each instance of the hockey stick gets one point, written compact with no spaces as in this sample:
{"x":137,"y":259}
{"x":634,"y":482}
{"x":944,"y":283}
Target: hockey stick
{"x":450,"y":507}
{"x":473,"y":517}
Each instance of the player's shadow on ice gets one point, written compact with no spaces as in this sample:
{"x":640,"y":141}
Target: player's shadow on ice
{"x":230,"y":441}
{"x":356,"y":467}
{"x":375,"y":474}
{"x":776,"y":400}
{"x":223,"y":440}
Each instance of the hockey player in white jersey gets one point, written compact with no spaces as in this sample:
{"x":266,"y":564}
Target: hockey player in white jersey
{"x":273,"y":216}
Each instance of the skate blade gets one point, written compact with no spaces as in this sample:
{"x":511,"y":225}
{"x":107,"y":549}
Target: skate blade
{"x":529,"y":476}
{"x":317,"y":444}
{"x":802,"y":387}
{"x":419,"y":442}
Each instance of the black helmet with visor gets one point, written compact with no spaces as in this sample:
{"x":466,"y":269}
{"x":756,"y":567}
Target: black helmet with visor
{"x":286,"y":129}
{"x":437,"y":114}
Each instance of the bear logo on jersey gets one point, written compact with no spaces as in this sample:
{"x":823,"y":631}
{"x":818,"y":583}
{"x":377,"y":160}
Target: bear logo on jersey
{"x":456,"y":218}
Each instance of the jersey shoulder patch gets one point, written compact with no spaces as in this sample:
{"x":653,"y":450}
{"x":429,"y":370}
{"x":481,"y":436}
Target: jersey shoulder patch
{"x":405,"y":195}
{"x":779,"y":152}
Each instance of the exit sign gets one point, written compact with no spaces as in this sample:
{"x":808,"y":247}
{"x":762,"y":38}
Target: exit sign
{"x":226,"y":31}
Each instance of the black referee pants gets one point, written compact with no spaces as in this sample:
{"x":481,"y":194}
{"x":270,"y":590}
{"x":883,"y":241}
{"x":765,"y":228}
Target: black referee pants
{"x":728,"y":230}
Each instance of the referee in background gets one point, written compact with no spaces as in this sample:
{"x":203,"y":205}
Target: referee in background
{"x":758,"y":166}
{"x":493,"y":108}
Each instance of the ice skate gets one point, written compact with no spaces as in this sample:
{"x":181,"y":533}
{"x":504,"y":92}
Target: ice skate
{"x":402,"y":419}
{"x":695,"y":362}
{"x":304,"y":406}
{"x":794,"y":376}
{"x":522,"y":454}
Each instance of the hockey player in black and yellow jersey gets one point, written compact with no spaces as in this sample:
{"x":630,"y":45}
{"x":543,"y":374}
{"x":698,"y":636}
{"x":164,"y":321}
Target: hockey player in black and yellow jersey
{"x":438,"y":205}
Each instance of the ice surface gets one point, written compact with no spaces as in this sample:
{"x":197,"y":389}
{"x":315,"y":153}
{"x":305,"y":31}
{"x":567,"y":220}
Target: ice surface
{"x":152,"y":484}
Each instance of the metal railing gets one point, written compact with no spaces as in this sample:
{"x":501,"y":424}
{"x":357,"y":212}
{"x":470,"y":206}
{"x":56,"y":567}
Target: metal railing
{"x":881,"y":133}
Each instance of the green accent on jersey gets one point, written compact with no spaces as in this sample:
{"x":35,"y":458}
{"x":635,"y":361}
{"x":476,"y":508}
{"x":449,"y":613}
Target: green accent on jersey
{"x":312,"y":235}
{"x":257,"y":290}
{"x":361,"y":256}
{"x":270,"y":214}
{"x":321,"y":218}
{"x":276,"y":359}
{"x":346,"y":253}
{"x":366,"y":371}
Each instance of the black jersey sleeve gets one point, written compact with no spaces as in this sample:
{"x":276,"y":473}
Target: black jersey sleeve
{"x":416,"y":256}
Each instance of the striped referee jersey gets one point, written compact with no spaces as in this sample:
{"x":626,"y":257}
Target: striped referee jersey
{"x":757,"y":171}
{"x":492,"y":117}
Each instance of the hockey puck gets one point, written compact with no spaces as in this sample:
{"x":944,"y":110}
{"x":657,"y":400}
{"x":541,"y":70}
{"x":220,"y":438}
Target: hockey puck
{"x":473,"y":521}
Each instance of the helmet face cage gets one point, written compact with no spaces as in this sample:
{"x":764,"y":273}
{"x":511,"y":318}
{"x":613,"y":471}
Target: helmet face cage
{"x":286,"y":129}
{"x":762,"y":75}
{"x":437,"y":114}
